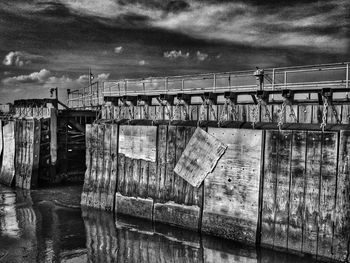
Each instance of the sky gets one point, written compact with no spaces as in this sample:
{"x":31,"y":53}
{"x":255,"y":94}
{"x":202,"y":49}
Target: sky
{"x":52,"y":43}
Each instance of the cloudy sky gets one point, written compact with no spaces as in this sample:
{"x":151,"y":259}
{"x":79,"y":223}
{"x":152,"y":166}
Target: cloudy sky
{"x":52,"y":43}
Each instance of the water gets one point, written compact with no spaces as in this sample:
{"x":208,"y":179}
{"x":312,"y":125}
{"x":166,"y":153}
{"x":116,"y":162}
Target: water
{"x":48,"y":225}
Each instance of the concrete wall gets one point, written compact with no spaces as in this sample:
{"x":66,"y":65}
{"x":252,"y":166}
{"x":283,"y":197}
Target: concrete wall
{"x":286,"y":190}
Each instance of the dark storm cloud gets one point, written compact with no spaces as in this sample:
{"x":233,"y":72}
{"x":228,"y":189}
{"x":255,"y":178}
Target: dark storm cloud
{"x":70,"y":36}
{"x":309,"y":24}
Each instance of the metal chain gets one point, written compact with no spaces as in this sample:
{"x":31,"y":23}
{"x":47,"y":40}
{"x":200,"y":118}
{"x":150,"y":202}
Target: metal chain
{"x":212,"y":111}
{"x":282,"y":115}
{"x":324,"y":115}
{"x":176,"y":111}
{"x":201,"y":112}
{"x":167,"y":110}
{"x":254,"y":113}
{"x":224,"y":112}
{"x":233,"y":111}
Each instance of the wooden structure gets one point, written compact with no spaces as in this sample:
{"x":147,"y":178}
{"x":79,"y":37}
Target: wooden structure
{"x":43,"y":144}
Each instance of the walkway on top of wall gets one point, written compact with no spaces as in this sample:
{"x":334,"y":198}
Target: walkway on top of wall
{"x":334,"y":75}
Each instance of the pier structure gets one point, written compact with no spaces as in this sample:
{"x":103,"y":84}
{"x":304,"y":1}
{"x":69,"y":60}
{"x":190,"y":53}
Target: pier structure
{"x":42,"y":143}
{"x":258,"y":156}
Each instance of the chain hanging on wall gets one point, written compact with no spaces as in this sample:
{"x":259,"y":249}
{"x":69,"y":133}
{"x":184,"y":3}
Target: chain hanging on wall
{"x":282,"y":115}
{"x":233,"y":112}
{"x":167,"y":109}
{"x":224,"y":113}
{"x":209,"y":103}
{"x":155,"y":118}
{"x":176,"y":111}
{"x":324,"y":113}
{"x":255,"y":113}
{"x":212,"y":111}
{"x":201,"y":112}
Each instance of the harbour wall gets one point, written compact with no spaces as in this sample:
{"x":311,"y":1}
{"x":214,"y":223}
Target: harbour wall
{"x":284,"y":189}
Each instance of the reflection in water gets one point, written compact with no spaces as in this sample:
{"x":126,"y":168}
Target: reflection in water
{"x":34,"y":229}
{"x":46,"y":226}
{"x":8,"y":224}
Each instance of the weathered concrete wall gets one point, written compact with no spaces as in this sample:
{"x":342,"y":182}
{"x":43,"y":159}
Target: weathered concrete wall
{"x":29,"y":148}
{"x":149,"y":176}
{"x":283,"y":189}
{"x":7,"y":171}
{"x":231,"y":191}
{"x":1,"y":142}
{"x":101,"y":162}
{"x":28,"y":136}
{"x":306,"y":193}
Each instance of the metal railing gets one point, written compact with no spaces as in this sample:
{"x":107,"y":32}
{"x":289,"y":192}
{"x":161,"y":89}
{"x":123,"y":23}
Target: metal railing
{"x":86,"y":97}
{"x":335,"y":75}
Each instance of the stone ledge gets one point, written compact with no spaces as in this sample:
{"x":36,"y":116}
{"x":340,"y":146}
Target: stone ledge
{"x":132,"y":206}
{"x":178,"y":215}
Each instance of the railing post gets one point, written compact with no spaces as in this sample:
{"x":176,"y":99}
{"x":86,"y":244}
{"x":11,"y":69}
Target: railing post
{"x":182,"y":84}
{"x":110,"y":89}
{"x":273,"y":81}
{"x":84,"y":94}
{"x":285,"y":79}
{"x":166,"y":85}
{"x":91,"y":95}
{"x":347,"y":76}
{"x":214,"y":80}
{"x":98,"y":94}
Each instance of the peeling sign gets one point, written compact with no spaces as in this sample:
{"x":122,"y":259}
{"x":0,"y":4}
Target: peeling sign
{"x":138,"y":142}
{"x":199,"y":158}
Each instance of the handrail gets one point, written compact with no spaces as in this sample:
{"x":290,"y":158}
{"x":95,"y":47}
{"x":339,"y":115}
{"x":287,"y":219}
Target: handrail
{"x":278,"y":78}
